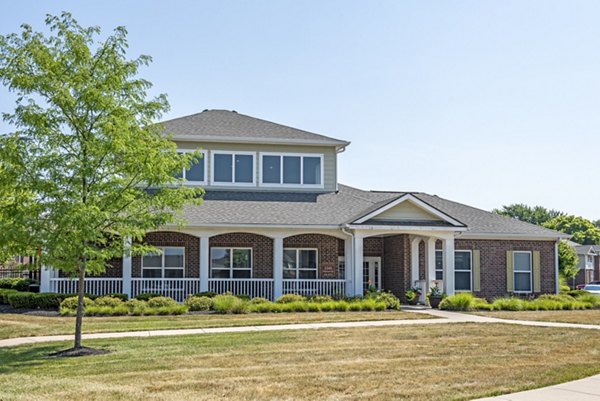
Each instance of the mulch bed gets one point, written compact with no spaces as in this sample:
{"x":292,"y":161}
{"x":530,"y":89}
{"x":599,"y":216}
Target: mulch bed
{"x":36,"y":312}
{"x":75,"y":352}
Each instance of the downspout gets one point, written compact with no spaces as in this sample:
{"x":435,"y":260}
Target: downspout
{"x":557,"y":286}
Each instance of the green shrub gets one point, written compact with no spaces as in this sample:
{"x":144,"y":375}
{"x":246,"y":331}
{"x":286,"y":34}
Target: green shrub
{"x":31,"y":300}
{"x":390,"y":300}
{"x":592,"y":300}
{"x":243,"y":297}
{"x":355,"y":306}
{"x":209,"y":294}
{"x":196,"y":304}
{"x":509,"y":304}
{"x":4,"y":293}
{"x":18,"y":284}
{"x":259,"y":300}
{"x":314,"y":306}
{"x":300,"y":306}
{"x":171,"y":309}
{"x":263,"y":307}
{"x":229,"y":304}
{"x":463,"y":301}
{"x":320,"y":298}
{"x":108,"y":301}
{"x":97,"y":310}
{"x":122,"y":297}
{"x":71,"y":303}
{"x":287,"y":298}
{"x":136,"y":307}
{"x":575,"y":293}
{"x":327,"y":306}
{"x":147,"y":296}
{"x":158,"y":302}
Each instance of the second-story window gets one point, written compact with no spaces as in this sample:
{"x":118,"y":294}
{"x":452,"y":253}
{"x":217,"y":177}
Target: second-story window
{"x":232,"y":168}
{"x":196,"y":174}
{"x":291,"y":169}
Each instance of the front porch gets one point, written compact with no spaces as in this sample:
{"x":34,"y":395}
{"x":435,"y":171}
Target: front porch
{"x":268,"y":264}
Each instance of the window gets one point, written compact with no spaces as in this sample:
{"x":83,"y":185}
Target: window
{"x":522,"y":271}
{"x":300,"y":263}
{"x":168,"y":264}
{"x":341,"y":267}
{"x":462,"y":270}
{"x":231,"y":262}
{"x":291,"y":169}
{"x":233,"y":168}
{"x":589,"y":262}
{"x":196,"y":174}
{"x":439,"y":265}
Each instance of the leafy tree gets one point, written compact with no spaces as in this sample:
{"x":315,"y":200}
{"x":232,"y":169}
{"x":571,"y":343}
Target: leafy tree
{"x":567,"y":261}
{"x":582,"y":230}
{"x":534,"y":215}
{"x":87,"y":166}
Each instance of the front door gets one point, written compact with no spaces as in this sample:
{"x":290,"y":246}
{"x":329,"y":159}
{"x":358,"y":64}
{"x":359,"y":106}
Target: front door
{"x":371,"y":272}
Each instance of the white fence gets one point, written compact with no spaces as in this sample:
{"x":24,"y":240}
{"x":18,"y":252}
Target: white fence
{"x":177,"y":288}
{"x":253,"y":287}
{"x":334,"y":288}
{"x":94,"y":286}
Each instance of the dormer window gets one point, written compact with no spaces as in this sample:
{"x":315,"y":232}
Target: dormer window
{"x":232,"y":168}
{"x":196,"y":174}
{"x":291,"y":170}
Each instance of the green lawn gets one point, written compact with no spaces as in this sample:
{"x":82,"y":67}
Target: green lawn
{"x":562,"y":316}
{"x":16,"y":325}
{"x":439,"y":362}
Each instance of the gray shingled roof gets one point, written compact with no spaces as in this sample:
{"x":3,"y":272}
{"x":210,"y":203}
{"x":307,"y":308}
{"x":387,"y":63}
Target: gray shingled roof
{"x":585,"y":249}
{"x":230,"y":126}
{"x":337,"y":209}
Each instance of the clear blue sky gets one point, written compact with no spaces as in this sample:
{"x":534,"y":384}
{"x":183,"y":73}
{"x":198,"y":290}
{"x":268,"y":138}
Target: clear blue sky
{"x":483,"y":102}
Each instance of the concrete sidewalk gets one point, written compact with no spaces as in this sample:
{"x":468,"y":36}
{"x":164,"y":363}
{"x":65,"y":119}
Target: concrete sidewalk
{"x":587,"y":389}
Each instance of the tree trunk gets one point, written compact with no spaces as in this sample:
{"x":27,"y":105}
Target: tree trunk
{"x":80,"y":305}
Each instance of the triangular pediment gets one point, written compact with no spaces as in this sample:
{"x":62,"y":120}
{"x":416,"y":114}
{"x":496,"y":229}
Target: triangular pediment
{"x":408,"y":208}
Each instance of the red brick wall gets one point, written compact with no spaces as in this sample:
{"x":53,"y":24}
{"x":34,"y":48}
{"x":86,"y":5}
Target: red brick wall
{"x":262,"y":250}
{"x":396,"y":265}
{"x":115,"y":268}
{"x":422,"y":260}
{"x":328,"y":250}
{"x":170,"y":238}
{"x":493,"y":263}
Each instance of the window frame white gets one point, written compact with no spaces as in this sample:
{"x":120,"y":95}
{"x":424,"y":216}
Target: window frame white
{"x":202,"y":160}
{"x":281,"y":184}
{"x":470,"y":271}
{"x":231,"y":268}
{"x":163,"y":267}
{"x":440,"y":252}
{"x":232,"y":153}
{"x":297,"y":269}
{"x":515,"y":272}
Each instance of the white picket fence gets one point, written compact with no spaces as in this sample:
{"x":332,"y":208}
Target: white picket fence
{"x":177,"y":288}
{"x":252,"y":287}
{"x":333,"y":288}
{"x":94,"y":286}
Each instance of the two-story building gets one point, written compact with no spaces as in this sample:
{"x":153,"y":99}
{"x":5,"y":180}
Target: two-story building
{"x":275,"y":220}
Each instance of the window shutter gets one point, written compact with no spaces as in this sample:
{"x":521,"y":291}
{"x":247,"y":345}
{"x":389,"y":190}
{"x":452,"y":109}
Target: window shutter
{"x":476,"y":271}
{"x":510,"y":278}
{"x":537,"y":272}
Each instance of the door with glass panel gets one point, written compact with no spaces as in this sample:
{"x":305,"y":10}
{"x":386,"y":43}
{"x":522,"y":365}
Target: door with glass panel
{"x":371,"y":272}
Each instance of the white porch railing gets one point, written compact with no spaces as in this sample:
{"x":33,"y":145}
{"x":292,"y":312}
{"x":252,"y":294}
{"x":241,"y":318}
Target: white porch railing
{"x":315,"y":287}
{"x":177,"y":288}
{"x":253,"y":287}
{"x":94,"y":286}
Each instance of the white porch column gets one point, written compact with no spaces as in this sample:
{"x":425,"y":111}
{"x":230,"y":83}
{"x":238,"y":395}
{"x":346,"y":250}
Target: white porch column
{"x":277,"y":267}
{"x":430,"y":262}
{"x":204,"y":263}
{"x":126,"y":274}
{"x":449,"y":265}
{"x":414,"y":261}
{"x":358,"y":264}
{"x":45,"y":274}
{"x":349,"y":266}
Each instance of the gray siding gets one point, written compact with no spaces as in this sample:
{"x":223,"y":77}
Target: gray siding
{"x":329,"y":162}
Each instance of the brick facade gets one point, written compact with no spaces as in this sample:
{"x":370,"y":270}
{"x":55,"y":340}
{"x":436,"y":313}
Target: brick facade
{"x":170,"y":238}
{"x":328,"y":251}
{"x":396,"y":264}
{"x":262,"y":250}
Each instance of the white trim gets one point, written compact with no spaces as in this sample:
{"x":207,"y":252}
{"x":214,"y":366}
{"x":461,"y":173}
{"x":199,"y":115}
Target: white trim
{"x":230,"y":268}
{"x":417,"y":202}
{"x":405,"y":228}
{"x":262,"y":141}
{"x":531,"y":237}
{"x":162,"y":266}
{"x":202,"y":160}
{"x":470,"y":252}
{"x":297,"y":269}
{"x":523,"y":271}
{"x":441,"y":251}
{"x":281,"y":184}
{"x":232,"y":153}
{"x":378,"y":267}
